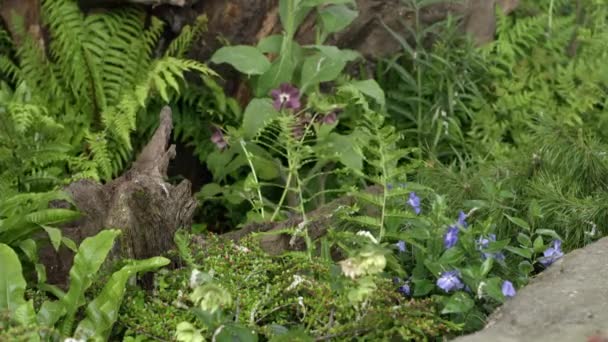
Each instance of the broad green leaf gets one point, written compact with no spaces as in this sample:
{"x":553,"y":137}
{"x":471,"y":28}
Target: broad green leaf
{"x":232,"y":332}
{"x":539,"y":244}
{"x":345,"y":148}
{"x":548,"y":232}
{"x":102,"y":312}
{"x":52,"y":216}
{"x":271,"y":44}
{"x":422,"y":287}
{"x":524,"y":240}
{"x":525,"y":267}
{"x":319,"y":68}
{"x":519,"y":222}
{"x":258,"y":113}
{"x":12,"y":286}
{"x":337,"y":17}
{"x":452,"y":256}
{"x":292,"y":13}
{"x":186,"y":332}
{"x":459,"y":302}
{"x":494,"y":289}
{"x":91,"y":255}
{"x":54,"y":236}
{"x":210,"y":190}
{"x":246,"y":59}
{"x":372,"y":89}
{"x":523,"y":252}
{"x":281,"y":71}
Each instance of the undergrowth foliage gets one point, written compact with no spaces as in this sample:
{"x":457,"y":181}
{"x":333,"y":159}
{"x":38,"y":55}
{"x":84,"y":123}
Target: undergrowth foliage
{"x":99,"y":73}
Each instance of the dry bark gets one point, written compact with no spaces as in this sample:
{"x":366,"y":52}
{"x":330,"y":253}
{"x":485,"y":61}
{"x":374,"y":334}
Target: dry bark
{"x":141,"y":203}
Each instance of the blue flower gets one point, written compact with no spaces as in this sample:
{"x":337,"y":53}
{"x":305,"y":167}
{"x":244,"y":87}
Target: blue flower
{"x":401,"y":246}
{"x":484,"y":243}
{"x":451,"y":237}
{"x":461,"y":219}
{"x":449,"y":281}
{"x":507,"y":289}
{"x":405,"y":289}
{"x":552,"y":253}
{"x":414,"y":202}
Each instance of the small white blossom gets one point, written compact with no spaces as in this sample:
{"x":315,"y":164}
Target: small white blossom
{"x":71,"y":339}
{"x":368,"y":235}
{"x":242,"y":249}
{"x":195,"y":278}
{"x":297,"y":280}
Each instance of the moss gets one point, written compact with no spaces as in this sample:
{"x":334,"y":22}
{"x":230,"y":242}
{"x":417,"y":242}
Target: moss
{"x":264,"y":299}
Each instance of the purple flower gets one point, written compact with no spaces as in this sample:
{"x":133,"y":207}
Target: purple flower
{"x":451,"y":237}
{"x":405,"y":289}
{"x":330,"y":118}
{"x":484,"y":243}
{"x":286,"y":96}
{"x":401,"y":246}
{"x":217,"y":137}
{"x":449,"y":281}
{"x":414,"y":202}
{"x":552,"y":253}
{"x":507,"y":289}
{"x":461,"y":219}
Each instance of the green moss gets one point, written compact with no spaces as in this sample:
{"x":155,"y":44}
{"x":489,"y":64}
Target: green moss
{"x":265,"y":298}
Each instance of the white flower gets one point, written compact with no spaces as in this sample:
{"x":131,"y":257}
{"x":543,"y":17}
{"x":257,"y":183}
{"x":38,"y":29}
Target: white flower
{"x":297,"y":280}
{"x":195,"y":278}
{"x":71,"y":339}
{"x":242,"y":249}
{"x":368,"y":235}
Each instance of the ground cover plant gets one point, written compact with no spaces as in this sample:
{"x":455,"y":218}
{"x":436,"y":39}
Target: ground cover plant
{"x":404,"y":201}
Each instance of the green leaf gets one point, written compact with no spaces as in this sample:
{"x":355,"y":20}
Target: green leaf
{"x":539,"y":244}
{"x":494,"y":289}
{"x":525,"y":267}
{"x":281,"y":71}
{"x":519,"y":222}
{"x":320,"y":68}
{"x":523,"y":252}
{"x":294,"y":335}
{"x":210,"y":190}
{"x":345,"y":148}
{"x":186,"y":332}
{"x":422,"y":287}
{"x":452,"y":256}
{"x":548,"y":232}
{"x":54,"y":236}
{"x":102,"y":312}
{"x":232,"y":332}
{"x":337,"y":17}
{"x":257,"y":115}
{"x":246,"y":59}
{"x":486,"y":267}
{"x":459,"y":302}
{"x":524,"y":240}
{"x":271,"y":44}
{"x":372,"y":89}
{"x":91,"y":255}
{"x":12,"y":286}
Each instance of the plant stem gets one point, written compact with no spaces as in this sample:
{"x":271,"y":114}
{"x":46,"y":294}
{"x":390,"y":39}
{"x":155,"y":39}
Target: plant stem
{"x":255,"y":176}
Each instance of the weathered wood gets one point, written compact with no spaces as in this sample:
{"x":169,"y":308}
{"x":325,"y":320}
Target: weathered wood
{"x":318,"y":222}
{"x":141,"y":203}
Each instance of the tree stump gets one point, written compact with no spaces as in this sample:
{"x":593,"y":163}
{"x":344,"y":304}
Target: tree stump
{"x":141,"y":203}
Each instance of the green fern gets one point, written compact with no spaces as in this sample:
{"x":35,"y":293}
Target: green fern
{"x":97,"y":77}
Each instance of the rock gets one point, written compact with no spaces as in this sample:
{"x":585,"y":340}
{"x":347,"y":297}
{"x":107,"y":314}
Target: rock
{"x":568,"y":302}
